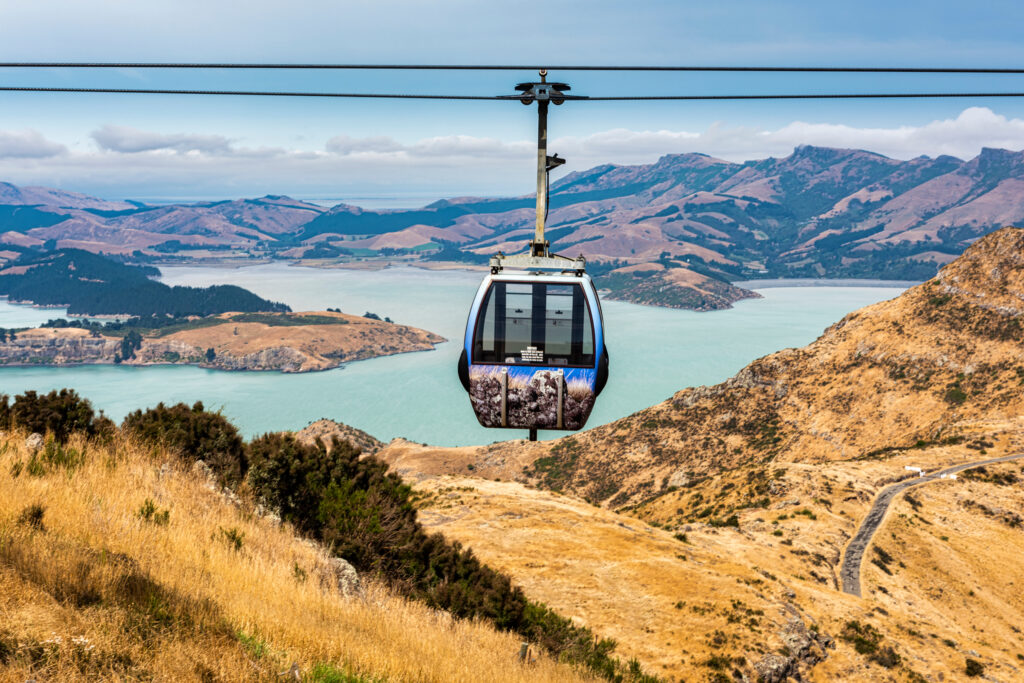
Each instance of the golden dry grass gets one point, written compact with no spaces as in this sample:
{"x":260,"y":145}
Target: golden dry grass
{"x":579,"y":389}
{"x":663,"y":596}
{"x":101,"y":592}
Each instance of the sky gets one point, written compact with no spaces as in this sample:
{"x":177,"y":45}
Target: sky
{"x":160,"y":148}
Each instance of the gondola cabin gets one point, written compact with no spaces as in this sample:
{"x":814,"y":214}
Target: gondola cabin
{"x":534,"y":354}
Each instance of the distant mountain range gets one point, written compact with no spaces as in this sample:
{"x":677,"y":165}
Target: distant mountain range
{"x":819,"y":212}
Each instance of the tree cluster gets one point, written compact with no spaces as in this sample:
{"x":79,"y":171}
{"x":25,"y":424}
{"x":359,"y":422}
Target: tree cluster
{"x":59,"y":413}
{"x":89,"y":284}
{"x":194,"y":433}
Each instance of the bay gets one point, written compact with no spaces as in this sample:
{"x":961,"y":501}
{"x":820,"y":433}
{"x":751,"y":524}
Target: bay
{"x":20,"y":315}
{"x":654,"y":352}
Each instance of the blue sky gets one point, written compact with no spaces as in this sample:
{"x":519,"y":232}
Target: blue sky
{"x":160,"y":148}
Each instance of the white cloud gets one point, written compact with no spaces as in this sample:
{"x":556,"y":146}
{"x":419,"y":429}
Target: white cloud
{"x":962,"y":137}
{"x":150,"y":164}
{"x":28,"y":144}
{"x":345,"y":145}
{"x":131,"y":140}
{"x":436,"y":147}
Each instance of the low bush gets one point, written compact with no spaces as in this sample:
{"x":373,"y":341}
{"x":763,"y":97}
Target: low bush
{"x":60,"y":413}
{"x":32,"y":517}
{"x":365,"y":515}
{"x":194,"y":434}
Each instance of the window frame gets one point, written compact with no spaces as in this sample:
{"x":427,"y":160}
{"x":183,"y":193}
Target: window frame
{"x":482,"y":314}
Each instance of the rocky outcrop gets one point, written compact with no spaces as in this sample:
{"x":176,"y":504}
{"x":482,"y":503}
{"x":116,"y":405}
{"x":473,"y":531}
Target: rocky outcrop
{"x":34,"y":442}
{"x":803,"y":649}
{"x":342,"y":577}
{"x":325,"y":430}
{"x":29,"y":349}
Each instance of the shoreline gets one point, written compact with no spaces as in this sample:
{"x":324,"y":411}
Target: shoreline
{"x":211,"y":366}
{"x":440,"y":266}
{"x":823,"y":282}
{"x":284,"y":342}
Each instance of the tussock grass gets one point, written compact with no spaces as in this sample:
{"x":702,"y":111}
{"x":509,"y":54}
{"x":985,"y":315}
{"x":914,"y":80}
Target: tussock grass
{"x":95,"y":590}
{"x":579,"y":389}
{"x":515,"y":382}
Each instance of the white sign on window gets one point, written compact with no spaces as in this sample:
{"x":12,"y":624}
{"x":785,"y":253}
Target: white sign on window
{"x":531,"y":355}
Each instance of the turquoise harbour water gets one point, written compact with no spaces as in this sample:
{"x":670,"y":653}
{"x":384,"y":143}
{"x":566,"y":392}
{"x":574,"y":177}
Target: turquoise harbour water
{"x":654,"y":353}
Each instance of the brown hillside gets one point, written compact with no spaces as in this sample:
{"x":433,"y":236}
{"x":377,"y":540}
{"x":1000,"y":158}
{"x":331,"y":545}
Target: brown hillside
{"x":920,"y":368}
{"x":692,"y":599}
{"x":735,"y":503}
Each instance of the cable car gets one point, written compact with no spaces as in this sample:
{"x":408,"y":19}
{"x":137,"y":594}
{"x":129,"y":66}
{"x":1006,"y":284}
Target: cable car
{"x":533,"y":355}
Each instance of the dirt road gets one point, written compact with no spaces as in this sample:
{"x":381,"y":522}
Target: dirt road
{"x":849,"y":573}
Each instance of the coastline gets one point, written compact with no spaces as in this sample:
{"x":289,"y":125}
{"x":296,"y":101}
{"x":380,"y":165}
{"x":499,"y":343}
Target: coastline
{"x":823,"y":282}
{"x":340,"y":364}
{"x":284,"y":342}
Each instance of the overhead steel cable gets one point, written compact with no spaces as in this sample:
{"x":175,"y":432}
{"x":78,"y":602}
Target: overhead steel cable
{"x":808,"y":96}
{"x":255,"y":93}
{"x":598,"y":98}
{"x":514,"y":67}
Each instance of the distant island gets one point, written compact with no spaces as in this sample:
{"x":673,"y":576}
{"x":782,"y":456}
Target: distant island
{"x":677,"y":233}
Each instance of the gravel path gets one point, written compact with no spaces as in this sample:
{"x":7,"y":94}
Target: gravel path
{"x":849,"y":573}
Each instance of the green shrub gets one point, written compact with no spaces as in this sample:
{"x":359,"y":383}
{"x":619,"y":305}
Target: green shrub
{"x":955,"y":395}
{"x":253,"y":645}
{"x":864,"y":637}
{"x":887,"y":657}
{"x":193,"y":434}
{"x":150,"y":513}
{"x":328,"y":673}
{"x":61,"y":413}
{"x":365,"y":515}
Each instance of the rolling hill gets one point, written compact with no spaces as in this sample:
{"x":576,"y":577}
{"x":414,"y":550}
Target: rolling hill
{"x":691,"y":222}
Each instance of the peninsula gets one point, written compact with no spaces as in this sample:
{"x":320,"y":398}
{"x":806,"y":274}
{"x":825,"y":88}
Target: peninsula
{"x":287,"y":342}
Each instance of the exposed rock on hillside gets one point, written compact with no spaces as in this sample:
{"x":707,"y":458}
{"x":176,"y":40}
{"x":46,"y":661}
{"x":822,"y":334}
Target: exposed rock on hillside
{"x":325,"y":429}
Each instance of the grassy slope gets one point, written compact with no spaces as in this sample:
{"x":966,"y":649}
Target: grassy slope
{"x":102,"y":592}
{"x":691,"y":601}
{"x":791,"y":451}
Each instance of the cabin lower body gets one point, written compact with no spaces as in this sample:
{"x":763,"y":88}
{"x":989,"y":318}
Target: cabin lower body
{"x":532,"y":397}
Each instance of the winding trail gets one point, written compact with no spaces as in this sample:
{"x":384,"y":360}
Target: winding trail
{"x":849,"y":573}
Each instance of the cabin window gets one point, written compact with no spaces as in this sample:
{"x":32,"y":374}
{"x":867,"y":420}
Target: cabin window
{"x":534,"y":323}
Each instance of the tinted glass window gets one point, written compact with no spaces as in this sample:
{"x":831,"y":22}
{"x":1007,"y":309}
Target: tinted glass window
{"x":533,"y":323}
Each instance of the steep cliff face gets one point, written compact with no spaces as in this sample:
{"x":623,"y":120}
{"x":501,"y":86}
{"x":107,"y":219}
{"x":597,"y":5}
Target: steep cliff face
{"x":57,"y":347}
{"x":282,"y":342}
